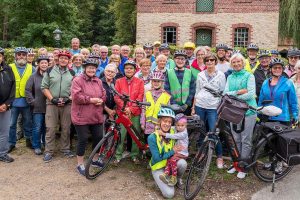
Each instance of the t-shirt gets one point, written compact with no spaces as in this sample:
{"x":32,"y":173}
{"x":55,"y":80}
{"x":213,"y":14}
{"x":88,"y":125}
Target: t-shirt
{"x":223,"y":67}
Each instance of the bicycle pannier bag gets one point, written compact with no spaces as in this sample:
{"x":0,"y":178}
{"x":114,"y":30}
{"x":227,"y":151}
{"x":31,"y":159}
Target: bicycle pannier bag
{"x":232,"y":109}
{"x":289,"y":147}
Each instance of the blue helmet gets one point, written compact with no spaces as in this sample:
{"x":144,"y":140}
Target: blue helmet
{"x":166,"y":112}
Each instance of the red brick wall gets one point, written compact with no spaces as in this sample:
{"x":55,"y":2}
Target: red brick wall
{"x":220,"y":6}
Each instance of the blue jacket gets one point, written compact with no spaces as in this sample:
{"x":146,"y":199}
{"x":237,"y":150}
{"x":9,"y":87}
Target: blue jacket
{"x":283,"y":96}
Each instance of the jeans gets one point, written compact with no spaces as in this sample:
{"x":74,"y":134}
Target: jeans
{"x":209,"y":116}
{"x":38,"y":130}
{"x":4,"y":131}
{"x":27,"y":123}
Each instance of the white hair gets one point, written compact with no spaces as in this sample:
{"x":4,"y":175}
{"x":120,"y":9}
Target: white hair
{"x":238,"y":56}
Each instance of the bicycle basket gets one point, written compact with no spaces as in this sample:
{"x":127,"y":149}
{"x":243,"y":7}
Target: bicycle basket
{"x":232,"y":109}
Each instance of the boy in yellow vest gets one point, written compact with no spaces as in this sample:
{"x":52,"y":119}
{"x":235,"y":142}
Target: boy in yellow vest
{"x":156,"y":96}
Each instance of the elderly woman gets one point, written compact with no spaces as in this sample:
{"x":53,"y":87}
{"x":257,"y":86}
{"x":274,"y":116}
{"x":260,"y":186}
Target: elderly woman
{"x":241,"y":84}
{"x":144,"y":73}
{"x":296,"y":80}
{"x":85,"y":53}
{"x":116,"y":59}
{"x":77,"y":61}
{"x":51,"y":59}
{"x":88,"y":97}
{"x":161,"y":61}
{"x":198,"y":64}
{"x":205,"y":104}
{"x":139,"y":54}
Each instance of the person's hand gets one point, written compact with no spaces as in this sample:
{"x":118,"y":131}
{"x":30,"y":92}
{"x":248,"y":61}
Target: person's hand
{"x":193,"y":111}
{"x":161,"y":133}
{"x":3,"y":108}
{"x":55,"y":101}
{"x":127,"y":112}
{"x":178,"y":148}
{"x":99,"y":102}
{"x":96,"y":101}
{"x":184,"y":107}
{"x":66,"y":100}
{"x":142,"y":127}
{"x":242,"y":91}
{"x":61,"y":102}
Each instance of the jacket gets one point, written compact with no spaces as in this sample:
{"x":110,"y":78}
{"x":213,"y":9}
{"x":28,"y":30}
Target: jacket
{"x":134,"y":88}
{"x":283,"y":96}
{"x":194,"y":67}
{"x":260,"y":77}
{"x":7,"y":85}
{"x":110,"y":102}
{"x":82,"y":111}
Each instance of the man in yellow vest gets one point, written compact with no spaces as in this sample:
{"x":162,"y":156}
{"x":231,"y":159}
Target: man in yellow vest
{"x":22,"y":72}
{"x":252,"y":62}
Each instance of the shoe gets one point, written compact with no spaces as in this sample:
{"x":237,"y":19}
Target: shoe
{"x":69,"y":154}
{"x":116,"y":162}
{"x":164,"y":178}
{"x":180,"y":183}
{"x":267,"y":166}
{"x":38,"y":151}
{"x":220,"y":163}
{"x":81,"y":169}
{"x":47,"y":158}
{"x":241,"y":175}
{"x":136,"y":161}
{"x":11,"y":148}
{"x":173,"y":181}
{"x":98,"y":163}
{"x":29,"y":144}
{"x":6,"y":158}
{"x":125,"y":154}
{"x":231,"y":170}
{"x":278,"y":169}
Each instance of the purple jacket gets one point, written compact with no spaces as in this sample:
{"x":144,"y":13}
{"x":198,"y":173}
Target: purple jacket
{"x":82,"y":111}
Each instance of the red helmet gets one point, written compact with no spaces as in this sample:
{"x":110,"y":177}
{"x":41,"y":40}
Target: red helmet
{"x":65,"y":53}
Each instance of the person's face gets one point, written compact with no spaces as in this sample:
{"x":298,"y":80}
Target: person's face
{"x":115,"y":60}
{"x":30,"y":58}
{"x":210,"y":63}
{"x":180,"y":126}
{"x":145,"y":68}
{"x":21,"y":58}
{"x":148,"y":52}
{"x":109,"y":73}
{"x":274,"y":56}
{"x":156,"y":84}
{"x":125,"y":52}
{"x":165,"y":124}
{"x":189,"y":52}
{"x":252,"y":54}
{"x":277,"y":70}
{"x":55,"y":54}
{"x":161,"y":64}
{"x":51,"y":59}
{"x":221,"y":53}
{"x":297,"y":68}
{"x":96,"y":50}
{"x":1,"y":58}
{"x":180,"y":61}
{"x":63,"y":61}
{"x":104,"y":53}
{"x":129,"y":71}
{"x":228,"y":54}
{"x":200,"y":55}
{"x":293,"y":60}
{"x":90,"y":70}
{"x":139,"y":54}
{"x":85,"y":54}
{"x":77,"y":62}
{"x":165,"y":52}
{"x":237,"y":64}
{"x":265,"y":61}
{"x":115,"y":50}
{"x":43,"y":65}
{"x":75,"y":44}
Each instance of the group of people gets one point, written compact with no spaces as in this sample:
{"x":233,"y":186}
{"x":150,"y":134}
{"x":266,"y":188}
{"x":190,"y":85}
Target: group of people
{"x":69,"y":91}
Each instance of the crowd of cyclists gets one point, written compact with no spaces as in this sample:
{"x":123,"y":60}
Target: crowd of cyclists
{"x":70,"y":91}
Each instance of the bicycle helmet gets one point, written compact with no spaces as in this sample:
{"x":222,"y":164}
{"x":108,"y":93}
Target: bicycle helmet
{"x":275,"y":61}
{"x":180,"y":118}
{"x":166,"y":112}
{"x":20,"y":49}
{"x":65,"y":53}
{"x":1,"y":51}
{"x":42,"y":57}
{"x":230,"y":48}
{"x":252,"y":47}
{"x":148,"y":46}
{"x":91,"y":61}
{"x":30,"y":51}
{"x":180,"y":53}
{"x":274,"y":51}
{"x":236,"y":51}
{"x":264,"y":53}
{"x":156,"y":43}
{"x":221,"y":46}
{"x":130,"y":62}
{"x":157,"y":75}
{"x":293,"y":52}
{"x":164,"y":46}
{"x":190,"y":45}
{"x":94,"y":55}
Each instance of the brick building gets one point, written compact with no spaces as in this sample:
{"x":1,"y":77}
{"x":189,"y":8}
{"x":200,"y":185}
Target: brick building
{"x":208,"y":22}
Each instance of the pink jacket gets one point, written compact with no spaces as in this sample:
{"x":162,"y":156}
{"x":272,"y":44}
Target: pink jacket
{"x":82,"y":111}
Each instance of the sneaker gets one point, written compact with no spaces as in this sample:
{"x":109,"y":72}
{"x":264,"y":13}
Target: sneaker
{"x":6,"y":158}
{"x":241,"y":175}
{"x":278,"y":169}
{"x":47,"y":158}
{"x":231,"y":170}
{"x":220,"y":163}
{"x":116,"y":162}
{"x":180,"y":183}
{"x":11,"y":148}
{"x":81,"y":169}
{"x":164,"y":178}
{"x":69,"y":154}
{"x":29,"y":144}
{"x":98,"y":163}
{"x":267,"y":166}
{"x":173,"y":181}
{"x":136,"y":161}
{"x":38,"y":151}
{"x":125,"y":154}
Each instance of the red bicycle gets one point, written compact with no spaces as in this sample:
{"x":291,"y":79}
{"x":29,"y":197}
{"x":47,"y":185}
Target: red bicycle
{"x":106,"y":148}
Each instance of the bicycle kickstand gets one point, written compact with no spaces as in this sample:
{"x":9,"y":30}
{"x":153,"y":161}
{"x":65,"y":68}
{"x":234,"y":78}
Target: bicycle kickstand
{"x":273,"y":182}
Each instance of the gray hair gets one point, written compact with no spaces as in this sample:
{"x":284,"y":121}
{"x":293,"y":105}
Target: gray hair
{"x":111,"y":66}
{"x":200,"y":48}
{"x":160,"y":57}
{"x":238,"y":56}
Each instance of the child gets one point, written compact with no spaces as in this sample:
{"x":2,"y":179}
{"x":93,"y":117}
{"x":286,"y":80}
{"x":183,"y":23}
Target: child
{"x":181,"y":135}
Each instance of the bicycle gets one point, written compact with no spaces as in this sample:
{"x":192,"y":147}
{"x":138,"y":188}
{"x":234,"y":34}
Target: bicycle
{"x":264,"y":158}
{"x":106,"y":148}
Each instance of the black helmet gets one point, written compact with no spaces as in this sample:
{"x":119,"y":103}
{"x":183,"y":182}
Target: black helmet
{"x":264,"y":53}
{"x":94,"y":55}
{"x":275,"y":61}
{"x":164,"y":46}
{"x":130,"y":62}
{"x":21,"y":49}
{"x":42,"y":57}
{"x":274,"y":51}
{"x":148,"y":46}
{"x":293,"y":52}
{"x":221,"y":46}
{"x":230,"y":48}
{"x":2,"y":51}
{"x":252,"y":47}
{"x":180,"y":53}
{"x":91,"y":61}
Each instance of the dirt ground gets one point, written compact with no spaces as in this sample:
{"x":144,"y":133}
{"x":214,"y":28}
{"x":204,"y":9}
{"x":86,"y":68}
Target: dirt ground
{"x":30,"y":178}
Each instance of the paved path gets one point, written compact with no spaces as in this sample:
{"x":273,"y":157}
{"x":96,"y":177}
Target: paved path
{"x":288,"y":188}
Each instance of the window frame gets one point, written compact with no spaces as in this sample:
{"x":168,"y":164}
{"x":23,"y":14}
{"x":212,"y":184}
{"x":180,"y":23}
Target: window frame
{"x":201,"y":11}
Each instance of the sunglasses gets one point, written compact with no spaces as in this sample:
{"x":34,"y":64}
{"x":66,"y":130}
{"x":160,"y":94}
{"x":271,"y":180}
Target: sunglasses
{"x":210,"y":60}
{"x":294,"y":57}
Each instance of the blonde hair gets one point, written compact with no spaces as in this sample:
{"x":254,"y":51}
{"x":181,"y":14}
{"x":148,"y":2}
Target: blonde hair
{"x":139,"y":49}
{"x":85,"y":50}
{"x":145,"y":61}
{"x":238,"y":56}
{"x":78,"y":55}
{"x":114,"y":56}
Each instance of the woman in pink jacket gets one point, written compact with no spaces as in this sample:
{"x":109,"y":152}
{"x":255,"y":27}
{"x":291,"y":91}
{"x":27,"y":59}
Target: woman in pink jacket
{"x":88,"y":97}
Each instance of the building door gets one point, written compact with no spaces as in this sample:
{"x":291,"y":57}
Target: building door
{"x":204,"y":37}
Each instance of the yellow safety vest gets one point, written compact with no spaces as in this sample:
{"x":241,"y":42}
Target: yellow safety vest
{"x":162,"y":146}
{"x":152,"y":111}
{"x":21,"y":80}
{"x":248,"y":66}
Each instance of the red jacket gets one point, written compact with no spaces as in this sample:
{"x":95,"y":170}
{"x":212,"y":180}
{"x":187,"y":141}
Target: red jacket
{"x":134,"y":88}
{"x":82,"y":111}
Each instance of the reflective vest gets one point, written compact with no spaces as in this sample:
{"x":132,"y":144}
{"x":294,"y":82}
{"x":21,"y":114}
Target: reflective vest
{"x":248,"y":66}
{"x":152,"y":111}
{"x":195,"y":72}
{"x":179,"y":92}
{"x":162,"y":147}
{"x":21,"y":80}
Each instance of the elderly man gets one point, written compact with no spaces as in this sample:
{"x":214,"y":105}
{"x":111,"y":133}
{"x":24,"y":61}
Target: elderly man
{"x":115,"y":50}
{"x":189,"y":48}
{"x":125,"y":52}
{"x":96,"y":48}
{"x":252,"y":62}
{"x":103,"y":61}
{"x":22,"y":72}
{"x":293,"y":56}
{"x":75,"y":46}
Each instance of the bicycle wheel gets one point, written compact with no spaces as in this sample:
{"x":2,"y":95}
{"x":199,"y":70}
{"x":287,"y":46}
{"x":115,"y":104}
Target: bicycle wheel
{"x":263,"y":155}
{"x":106,"y":150}
{"x":198,"y":170}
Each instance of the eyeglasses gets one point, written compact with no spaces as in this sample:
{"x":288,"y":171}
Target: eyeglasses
{"x":181,"y":59}
{"x":110,"y":71}
{"x":277,"y":68}
{"x":294,"y":57}
{"x":200,"y":54}
{"x":210,"y":60}
{"x":104,"y":52}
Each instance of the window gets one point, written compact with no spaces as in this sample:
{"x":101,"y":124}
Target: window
{"x":169,"y":35}
{"x":241,"y":37}
{"x":205,"y":5}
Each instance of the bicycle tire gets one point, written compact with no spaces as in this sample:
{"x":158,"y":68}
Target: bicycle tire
{"x":262,"y":155}
{"x":196,"y":173}
{"x":108,"y":146}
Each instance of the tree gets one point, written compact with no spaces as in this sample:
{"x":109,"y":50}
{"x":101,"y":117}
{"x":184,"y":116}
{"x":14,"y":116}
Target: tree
{"x":289,"y":20}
